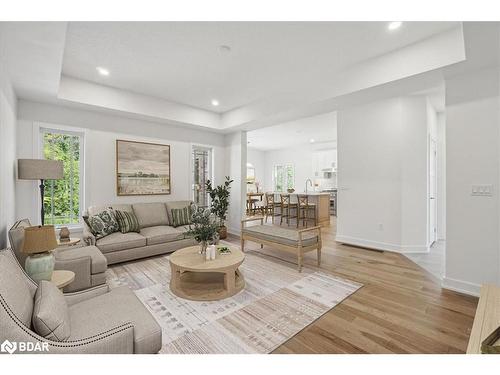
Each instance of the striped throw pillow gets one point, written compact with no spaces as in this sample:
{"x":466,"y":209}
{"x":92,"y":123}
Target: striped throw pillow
{"x":181,"y":216}
{"x":127,"y":221}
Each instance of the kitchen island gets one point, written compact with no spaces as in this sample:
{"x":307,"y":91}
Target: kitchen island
{"x":321,"y":200}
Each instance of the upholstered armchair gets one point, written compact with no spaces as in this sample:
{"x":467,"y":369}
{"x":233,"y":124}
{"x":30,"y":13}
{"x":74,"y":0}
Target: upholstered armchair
{"x":97,"y":320}
{"x":88,"y":263}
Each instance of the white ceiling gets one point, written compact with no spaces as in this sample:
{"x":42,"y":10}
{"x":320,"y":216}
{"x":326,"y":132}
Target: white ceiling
{"x":321,"y":128}
{"x":181,"y":61}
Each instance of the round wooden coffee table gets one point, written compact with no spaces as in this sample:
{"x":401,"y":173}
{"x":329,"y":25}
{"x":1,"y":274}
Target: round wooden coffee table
{"x":197,"y":279}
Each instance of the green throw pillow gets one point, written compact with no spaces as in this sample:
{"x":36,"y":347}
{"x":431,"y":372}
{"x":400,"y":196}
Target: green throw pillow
{"x":181,"y":216}
{"x":127,"y":221}
{"x":102,"y":224}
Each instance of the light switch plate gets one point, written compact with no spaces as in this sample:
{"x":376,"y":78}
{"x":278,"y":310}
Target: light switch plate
{"x":482,"y":190}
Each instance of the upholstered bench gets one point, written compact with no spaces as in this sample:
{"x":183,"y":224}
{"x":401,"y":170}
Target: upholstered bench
{"x":296,"y":241}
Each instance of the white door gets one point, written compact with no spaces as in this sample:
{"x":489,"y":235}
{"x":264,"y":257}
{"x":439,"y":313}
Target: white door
{"x":433,"y":192}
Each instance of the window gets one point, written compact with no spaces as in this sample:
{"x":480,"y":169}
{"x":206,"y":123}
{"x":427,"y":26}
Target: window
{"x":202,"y":171}
{"x":283,"y":177}
{"x":63,"y":198}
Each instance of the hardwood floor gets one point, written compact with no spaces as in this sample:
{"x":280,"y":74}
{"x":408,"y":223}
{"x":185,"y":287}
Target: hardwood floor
{"x":400,"y":309}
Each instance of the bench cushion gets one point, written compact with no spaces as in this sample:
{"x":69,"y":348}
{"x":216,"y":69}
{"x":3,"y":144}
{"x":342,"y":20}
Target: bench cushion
{"x":162,"y":234}
{"x":281,"y":235}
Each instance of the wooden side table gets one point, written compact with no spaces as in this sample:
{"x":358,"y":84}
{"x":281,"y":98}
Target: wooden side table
{"x":62,"y":278}
{"x":71,"y":242}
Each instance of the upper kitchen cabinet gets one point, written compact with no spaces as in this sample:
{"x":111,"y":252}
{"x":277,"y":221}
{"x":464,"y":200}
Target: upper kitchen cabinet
{"x":324,"y":163}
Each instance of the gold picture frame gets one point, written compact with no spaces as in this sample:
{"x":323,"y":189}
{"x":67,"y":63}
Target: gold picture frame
{"x":142,"y":168}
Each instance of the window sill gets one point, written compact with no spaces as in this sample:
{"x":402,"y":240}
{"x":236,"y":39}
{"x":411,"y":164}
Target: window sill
{"x":74,"y":228}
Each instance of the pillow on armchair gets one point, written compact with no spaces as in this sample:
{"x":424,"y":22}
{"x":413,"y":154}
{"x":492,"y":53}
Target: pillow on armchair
{"x":50,"y":313}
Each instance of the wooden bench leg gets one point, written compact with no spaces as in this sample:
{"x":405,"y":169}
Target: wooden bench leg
{"x":299,"y":260}
{"x":242,"y":244}
{"x":319,"y":256}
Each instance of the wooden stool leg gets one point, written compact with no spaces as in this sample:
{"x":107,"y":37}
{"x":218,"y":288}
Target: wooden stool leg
{"x":319,"y":256}
{"x":242,"y":244}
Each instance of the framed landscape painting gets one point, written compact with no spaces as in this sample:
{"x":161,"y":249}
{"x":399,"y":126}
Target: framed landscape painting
{"x":142,"y":168}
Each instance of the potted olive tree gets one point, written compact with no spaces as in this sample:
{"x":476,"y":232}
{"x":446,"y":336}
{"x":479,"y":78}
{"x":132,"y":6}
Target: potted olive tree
{"x":204,"y":226}
{"x":219,"y":197}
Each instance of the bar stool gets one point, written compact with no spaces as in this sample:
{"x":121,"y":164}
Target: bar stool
{"x":251,"y":205}
{"x":271,"y":206}
{"x":304,"y":208}
{"x":286,"y":206}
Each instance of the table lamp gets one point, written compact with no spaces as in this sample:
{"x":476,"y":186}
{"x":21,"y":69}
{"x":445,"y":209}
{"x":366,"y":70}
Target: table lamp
{"x":38,"y":242}
{"x":40,"y":169}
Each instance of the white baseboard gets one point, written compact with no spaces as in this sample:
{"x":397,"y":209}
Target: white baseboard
{"x":234,"y":231}
{"x":460,"y":286}
{"x":376,"y":245}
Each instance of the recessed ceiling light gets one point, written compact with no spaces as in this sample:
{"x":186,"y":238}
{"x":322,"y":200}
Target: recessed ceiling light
{"x":215,"y":102}
{"x":224,"y":49}
{"x":102,"y":71}
{"x":311,"y":140}
{"x":394,"y":25}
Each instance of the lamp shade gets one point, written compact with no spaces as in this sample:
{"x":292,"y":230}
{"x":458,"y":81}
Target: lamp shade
{"x":39,"y":239}
{"x":39,"y":169}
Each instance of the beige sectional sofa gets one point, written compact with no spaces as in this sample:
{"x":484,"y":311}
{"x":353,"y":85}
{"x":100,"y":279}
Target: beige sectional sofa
{"x":157,"y":235}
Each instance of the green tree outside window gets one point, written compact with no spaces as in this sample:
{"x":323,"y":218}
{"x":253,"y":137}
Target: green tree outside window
{"x":62,"y":197}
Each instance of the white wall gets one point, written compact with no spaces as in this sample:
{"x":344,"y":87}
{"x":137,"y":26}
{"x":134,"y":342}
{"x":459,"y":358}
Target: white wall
{"x":414,"y":173}
{"x":441,"y":175}
{"x":472,"y":157}
{"x":257,"y":159}
{"x":382,"y":175}
{"x":236,"y":167}
{"x":8,"y":110}
{"x":101,"y":132}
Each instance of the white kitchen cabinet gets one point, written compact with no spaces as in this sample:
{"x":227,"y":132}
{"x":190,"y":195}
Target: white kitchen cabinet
{"x":324,"y":160}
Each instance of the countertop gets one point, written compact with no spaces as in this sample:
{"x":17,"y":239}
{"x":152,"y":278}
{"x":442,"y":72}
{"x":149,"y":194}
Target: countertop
{"x":303,"y":192}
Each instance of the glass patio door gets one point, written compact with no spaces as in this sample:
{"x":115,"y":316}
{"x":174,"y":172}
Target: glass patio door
{"x":202,"y":171}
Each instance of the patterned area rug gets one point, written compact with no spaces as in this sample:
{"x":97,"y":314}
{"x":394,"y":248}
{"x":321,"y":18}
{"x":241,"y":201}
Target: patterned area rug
{"x":276,"y":304}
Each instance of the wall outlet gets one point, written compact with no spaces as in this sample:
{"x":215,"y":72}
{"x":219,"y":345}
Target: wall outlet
{"x":482,"y":190}
{"x":381,"y":227}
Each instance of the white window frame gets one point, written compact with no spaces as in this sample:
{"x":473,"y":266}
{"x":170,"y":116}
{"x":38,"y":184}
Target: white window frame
{"x":211,"y":172}
{"x":284,"y":166}
{"x":38,"y":129}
